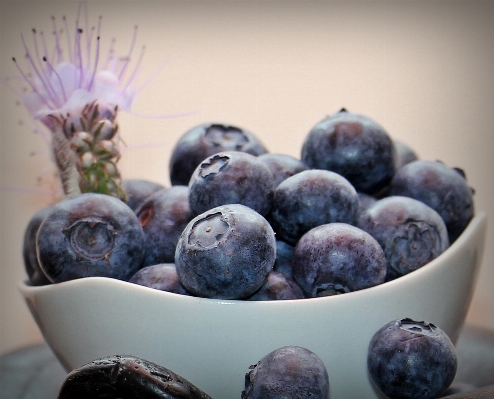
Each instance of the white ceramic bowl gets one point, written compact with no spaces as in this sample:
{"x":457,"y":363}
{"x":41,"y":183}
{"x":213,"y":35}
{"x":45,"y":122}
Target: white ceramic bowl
{"x":212,"y":343}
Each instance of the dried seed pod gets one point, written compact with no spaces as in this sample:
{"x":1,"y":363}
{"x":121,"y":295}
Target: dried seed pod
{"x":127,"y":377}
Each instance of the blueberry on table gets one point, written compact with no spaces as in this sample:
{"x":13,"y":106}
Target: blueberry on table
{"x":444,"y":189}
{"x":162,"y":277}
{"x":138,"y":190}
{"x":35,"y":274}
{"x":127,"y":377}
{"x":337,"y":258}
{"x":289,"y":372}
{"x":231,"y":177}
{"x":163,"y":217}
{"x":309,"y":199}
{"x":278,"y":287}
{"x":410,"y":359}
{"x":207,"y":139}
{"x":410,"y":232}
{"x":354,"y":146}
{"x":225,"y":253}
{"x":90,"y":235}
{"x":282,"y":166}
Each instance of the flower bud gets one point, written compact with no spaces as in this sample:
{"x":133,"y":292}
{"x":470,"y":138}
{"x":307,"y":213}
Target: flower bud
{"x":82,"y":142}
{"x":87,"y":160}
{"x":105,"y":130}
{"x":106,"y":149}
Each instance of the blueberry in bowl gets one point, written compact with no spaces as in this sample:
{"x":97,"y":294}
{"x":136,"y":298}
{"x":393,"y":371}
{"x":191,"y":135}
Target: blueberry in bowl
{"x":211,"y":342}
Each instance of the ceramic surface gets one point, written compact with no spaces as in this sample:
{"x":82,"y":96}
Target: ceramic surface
{"x":212,"y":343}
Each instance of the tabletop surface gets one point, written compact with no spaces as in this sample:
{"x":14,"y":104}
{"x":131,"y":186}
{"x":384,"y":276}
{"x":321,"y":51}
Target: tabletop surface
{"x":35,"y":373}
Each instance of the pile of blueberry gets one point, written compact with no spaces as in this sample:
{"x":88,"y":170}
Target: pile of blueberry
{"x":356,"y":210}
{"x":406,"y":360}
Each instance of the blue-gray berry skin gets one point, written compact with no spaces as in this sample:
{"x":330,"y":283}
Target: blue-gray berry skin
{"x":364,"y":201}
{"x":309,"y":199}
{"x":226,"y":253}
{"x":231,"y":177}
{"x":126,"y":377}
{"x":289,"y":372}
{"x":163,"y":217}
{"x":444,"y":189}
{"x":90,"y":235}
{"x":282,"y":166}
{"x":410,"y":232}
{"x":278,"y":287}
{"x":137,"y":190}
{"x":284,"y":255}
{"x":354,"y":146}
{"x":410,"y":359}
{"x":205,"y":140}
{"x":405,"y":153}
{"x":35,"y":274}
{"x":337,"y":258}
{"x":162,"y":277}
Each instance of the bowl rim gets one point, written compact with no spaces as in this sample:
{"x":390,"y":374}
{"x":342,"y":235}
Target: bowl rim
{"x":477,"y":223}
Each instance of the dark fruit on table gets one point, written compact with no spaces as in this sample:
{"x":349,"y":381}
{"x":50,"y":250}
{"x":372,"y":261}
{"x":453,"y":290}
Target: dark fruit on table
{"x":226,"y":253}
{"x":207,"y":139}
{"x":90,"y":235}
{"x":337,"y":258}
{"x":410,"y":233}
{"x":231,"y":177}
{"x":354,"y":146}
{"x":126,"y":377}
{"x":410,"y":359}
{"x":288,"y":372}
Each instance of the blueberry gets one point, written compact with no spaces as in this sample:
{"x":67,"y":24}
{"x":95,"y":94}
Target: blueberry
{"x":162,"y":277}
{"x":282,"y":166}
{"x":410,"y":359}
{"x":205,"y":140}
{"x":289,"y":372}
{"x":138,"y":190}
{"x":284,"y":255}
{"x":226,"y":253}
{"x":309,"y":199}
{"x":405,"y":153}
{"x":35,"y":274}
{"x":231,"y":177}
{"x":443,"y":188}
{"x":337,"y":258}
{"x":410,"y":232}
{"x":354,"y":146}
{"x":364,"y":201}
{"x":163,"y":217}
{"x":126,"y":377}
{"x":278,"y":287}
{"x":90,"y":235}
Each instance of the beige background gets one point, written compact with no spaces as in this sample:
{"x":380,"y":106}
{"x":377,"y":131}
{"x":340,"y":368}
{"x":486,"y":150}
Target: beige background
{"x":422,"y":69}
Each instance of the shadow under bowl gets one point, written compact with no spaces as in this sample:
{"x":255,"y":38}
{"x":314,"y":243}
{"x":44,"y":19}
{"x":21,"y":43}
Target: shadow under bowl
{"x":212,"y":342}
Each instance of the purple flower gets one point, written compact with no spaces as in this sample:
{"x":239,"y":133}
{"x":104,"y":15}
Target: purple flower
{"x":63,"y":79}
